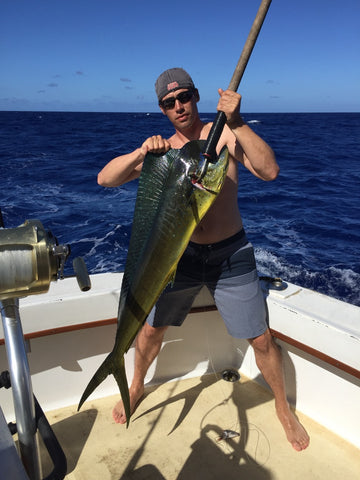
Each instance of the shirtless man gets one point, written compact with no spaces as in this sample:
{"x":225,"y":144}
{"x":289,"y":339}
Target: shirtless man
{"x":220,"y":235}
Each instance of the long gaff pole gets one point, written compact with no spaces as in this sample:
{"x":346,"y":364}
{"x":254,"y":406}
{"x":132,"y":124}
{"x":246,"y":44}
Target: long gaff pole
{"x":220,"y":120}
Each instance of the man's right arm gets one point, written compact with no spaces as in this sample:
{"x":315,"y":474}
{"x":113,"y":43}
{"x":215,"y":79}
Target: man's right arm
{"x":127,"y":167}
{"x":122,"y":169}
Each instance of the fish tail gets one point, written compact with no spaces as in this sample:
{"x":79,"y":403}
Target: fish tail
{"x":120,"y":377}
{"x":116,"y":367}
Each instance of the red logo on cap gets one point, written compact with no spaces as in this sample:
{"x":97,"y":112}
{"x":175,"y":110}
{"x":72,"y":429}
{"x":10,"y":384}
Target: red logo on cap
{"x":172,"y":85}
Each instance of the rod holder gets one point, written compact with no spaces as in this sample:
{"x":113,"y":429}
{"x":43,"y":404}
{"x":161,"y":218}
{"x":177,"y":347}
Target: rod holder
{"x":21,"y":387}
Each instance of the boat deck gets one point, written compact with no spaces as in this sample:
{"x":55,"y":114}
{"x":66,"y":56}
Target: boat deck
{"x":174,"y":435}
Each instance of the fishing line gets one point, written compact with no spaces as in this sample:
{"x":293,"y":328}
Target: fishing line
{"x":219,"y":386}
{"x":237,"y":426}
{"x":258,"y":430}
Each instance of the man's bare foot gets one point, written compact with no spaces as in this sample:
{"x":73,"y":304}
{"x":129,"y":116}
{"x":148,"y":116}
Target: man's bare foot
{"x":295,"y":432}
{"x":118,"y":412}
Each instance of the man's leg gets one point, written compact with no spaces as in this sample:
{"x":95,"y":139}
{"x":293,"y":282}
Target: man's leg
{"x":147,"y":347}
{"x":269,"y":361}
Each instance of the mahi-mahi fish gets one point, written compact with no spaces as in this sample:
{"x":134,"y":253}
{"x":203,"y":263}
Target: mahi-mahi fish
{"x":170,"y":204}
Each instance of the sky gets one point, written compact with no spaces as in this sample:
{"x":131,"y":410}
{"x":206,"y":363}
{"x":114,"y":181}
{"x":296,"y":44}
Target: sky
{"x":105,"y":55}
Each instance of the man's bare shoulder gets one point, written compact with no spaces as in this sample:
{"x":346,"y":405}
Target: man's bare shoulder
{"x":172,"y":139}
{"x":205,"y":130}
{"x":227,"y":136}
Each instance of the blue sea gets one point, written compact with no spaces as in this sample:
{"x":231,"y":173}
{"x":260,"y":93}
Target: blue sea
{"x":305,"y":226}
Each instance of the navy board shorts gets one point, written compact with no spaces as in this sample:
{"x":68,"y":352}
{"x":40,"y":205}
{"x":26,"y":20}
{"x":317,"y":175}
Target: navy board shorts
{"x":228,"y":270}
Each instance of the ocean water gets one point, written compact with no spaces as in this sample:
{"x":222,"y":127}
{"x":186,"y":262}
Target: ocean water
{"x":305,"y":226}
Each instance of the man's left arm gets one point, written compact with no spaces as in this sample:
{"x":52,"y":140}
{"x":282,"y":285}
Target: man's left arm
{"x":243,"y":143}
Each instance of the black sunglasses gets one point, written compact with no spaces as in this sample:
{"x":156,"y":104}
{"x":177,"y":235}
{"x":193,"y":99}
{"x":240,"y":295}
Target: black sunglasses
{"x":183,"y":97}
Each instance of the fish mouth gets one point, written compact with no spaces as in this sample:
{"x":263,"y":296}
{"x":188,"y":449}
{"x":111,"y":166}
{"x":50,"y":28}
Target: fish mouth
{"x":197,"y":184}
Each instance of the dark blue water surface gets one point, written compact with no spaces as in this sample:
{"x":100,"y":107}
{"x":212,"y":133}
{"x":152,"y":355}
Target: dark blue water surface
{"x":305,"y":226}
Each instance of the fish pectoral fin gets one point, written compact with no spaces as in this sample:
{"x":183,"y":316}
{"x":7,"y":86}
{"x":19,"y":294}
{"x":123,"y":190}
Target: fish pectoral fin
{"x":194,"y":209}
{"x":172,"y":278}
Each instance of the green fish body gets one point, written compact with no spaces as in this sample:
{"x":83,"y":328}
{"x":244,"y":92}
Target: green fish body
{"x":169,"y":206}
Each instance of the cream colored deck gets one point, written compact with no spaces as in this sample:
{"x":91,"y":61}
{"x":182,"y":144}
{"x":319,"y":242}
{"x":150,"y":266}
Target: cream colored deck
{"x":173,"y":436}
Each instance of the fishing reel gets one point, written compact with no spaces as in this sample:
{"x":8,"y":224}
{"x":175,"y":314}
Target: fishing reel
{"x":30,"y":258}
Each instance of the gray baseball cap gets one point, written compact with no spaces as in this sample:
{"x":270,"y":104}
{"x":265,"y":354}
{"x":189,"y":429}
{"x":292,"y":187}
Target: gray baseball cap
{"x":171,"y":80}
